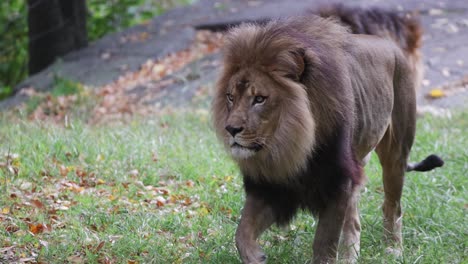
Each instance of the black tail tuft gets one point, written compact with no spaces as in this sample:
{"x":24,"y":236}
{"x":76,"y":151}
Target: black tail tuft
{"x":429,"y":163}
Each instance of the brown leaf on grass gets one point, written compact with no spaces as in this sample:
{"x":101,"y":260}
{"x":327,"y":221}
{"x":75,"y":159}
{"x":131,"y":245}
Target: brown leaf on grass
{"x":162,"y":191}
{"x":160,"y":201}
{"x":99,"y":247}
{"x":37,"y":203}
{"x":52,"y":212}
{"x":131,"y":261}
{"x":81,"y":173}
{"x":74,"y":187}
{"x":187,"y":201}
{"x":226,"y":210}
{"x":63,"y":170}
{"x":11,"y":228}
{"x":38,"y":228}
{"x":190,"y":183}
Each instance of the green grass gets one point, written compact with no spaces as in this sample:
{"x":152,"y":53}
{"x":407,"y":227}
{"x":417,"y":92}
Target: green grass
{"x":162,"y":190}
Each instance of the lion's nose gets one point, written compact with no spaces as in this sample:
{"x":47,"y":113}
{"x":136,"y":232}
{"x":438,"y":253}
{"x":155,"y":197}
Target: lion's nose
{"x":234,"y":130}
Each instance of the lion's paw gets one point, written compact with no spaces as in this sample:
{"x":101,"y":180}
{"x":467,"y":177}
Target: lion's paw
{"x":254,"y":257}
{"x":396,"y":252}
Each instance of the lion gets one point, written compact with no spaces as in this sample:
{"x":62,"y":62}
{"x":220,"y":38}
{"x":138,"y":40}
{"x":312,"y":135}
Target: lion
{"x":300,"y":104}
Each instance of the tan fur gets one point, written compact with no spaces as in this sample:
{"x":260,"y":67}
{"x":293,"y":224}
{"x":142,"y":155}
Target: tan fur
{"x":317,"y":79}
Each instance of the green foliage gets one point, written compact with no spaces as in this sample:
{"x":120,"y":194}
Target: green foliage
{"x":105,"y":17}
{"x":115,"y":15}
{"x":13,"y":45}
{"x":65,"y":87}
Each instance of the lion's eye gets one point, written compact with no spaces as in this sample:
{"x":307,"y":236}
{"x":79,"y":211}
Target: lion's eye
{"x":230,"y":97}
{"x":259,"y":99}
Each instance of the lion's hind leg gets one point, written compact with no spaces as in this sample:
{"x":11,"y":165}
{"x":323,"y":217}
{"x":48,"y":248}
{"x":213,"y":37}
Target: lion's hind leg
{"x":393,"y":152}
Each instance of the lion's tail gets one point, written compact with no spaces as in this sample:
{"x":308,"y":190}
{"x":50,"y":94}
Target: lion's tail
{"x":429,"y":163}
{"x":405,"y":30}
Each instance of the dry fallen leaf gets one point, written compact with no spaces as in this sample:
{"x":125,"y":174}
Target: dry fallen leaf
{"x":11,"y":228}
{"x":38,"y":228}
{"x":436,"y":93}
{"x":81,"y":173}
{"x":37,"y":203}
{"x":63,"y":170}
{"x":5,"y":210}
{"x":100,"y":182}
{"x":99,"y":247}
{"x":160,"y":201}
{"x":190,"y":183}
{"x":162,"y":191}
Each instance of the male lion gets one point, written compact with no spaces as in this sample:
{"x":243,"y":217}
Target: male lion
{"x":300,"y":105}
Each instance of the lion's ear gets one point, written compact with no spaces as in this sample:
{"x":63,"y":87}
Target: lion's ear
{"x":291,"y":64}
{"x":298,"y":57}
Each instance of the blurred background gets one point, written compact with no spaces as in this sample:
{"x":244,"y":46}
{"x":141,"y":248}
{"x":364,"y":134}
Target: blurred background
{"x":34,"y":23}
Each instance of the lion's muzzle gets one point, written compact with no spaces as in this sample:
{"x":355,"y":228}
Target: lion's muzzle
{"x":233,"y":130}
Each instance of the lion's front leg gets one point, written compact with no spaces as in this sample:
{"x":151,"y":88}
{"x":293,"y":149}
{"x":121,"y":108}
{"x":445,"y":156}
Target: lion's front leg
{"x":350,"y":236}
{"x":256,"y":217}
{"x":327,"y":236}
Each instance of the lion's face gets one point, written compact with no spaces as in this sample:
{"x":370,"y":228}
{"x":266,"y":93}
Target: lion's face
{"x":261,"y":109}
{"x":253,"y":109}
{"x":264,"y":121}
